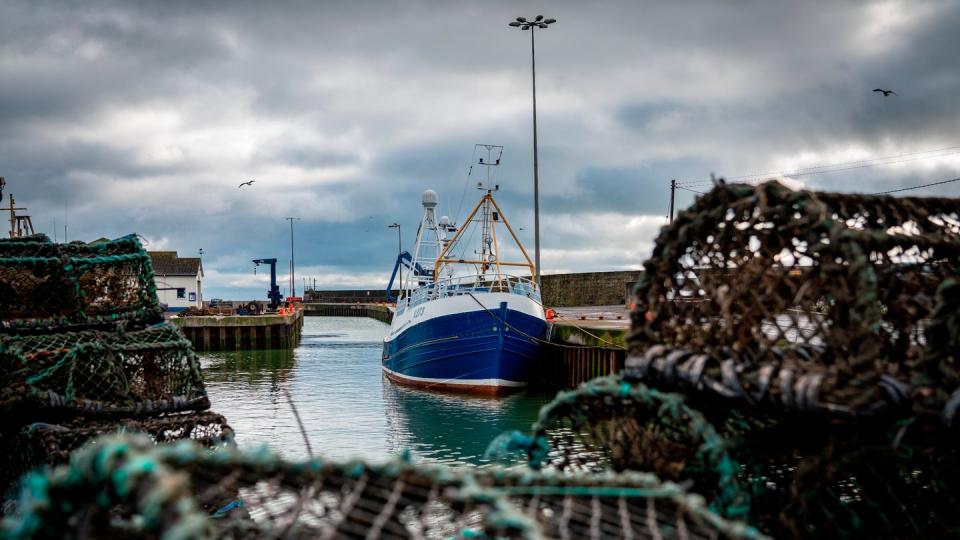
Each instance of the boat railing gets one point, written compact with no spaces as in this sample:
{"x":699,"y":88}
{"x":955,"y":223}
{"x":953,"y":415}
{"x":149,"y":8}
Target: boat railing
{"x":464,"y":285}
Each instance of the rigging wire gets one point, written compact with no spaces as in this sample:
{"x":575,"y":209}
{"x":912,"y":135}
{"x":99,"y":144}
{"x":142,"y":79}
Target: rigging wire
{"x":838,"y":167}
{"x":466,"y":185}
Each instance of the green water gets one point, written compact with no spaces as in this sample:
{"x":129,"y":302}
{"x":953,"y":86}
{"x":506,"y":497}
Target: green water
{"x":348,"y":408}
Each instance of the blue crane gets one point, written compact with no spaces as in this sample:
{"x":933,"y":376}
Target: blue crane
{"x":274,"y":293}
{"x":406,"y":260}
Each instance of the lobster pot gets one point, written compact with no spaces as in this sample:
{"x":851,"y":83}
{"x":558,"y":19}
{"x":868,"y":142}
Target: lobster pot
{"x":613,"y":425}
{"x":145,"y":489}
{"x":43,"y":444}
{"x":811,"y":479}
{"x":46,"y":286}
{"x":796,"y":477}
{"x":778,"y":285}
{"x":96,"y":373}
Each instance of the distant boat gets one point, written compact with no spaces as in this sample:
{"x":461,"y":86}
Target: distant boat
{"x":463,"y":324}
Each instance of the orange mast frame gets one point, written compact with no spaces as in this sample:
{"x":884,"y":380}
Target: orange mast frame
{"x":442,"y":259}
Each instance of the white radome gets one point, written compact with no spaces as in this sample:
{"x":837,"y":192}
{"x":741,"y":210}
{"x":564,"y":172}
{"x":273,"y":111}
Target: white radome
{"x":430,"y":198}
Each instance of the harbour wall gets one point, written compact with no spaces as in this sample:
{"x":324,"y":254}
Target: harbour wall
{"x":242,"y":332}
{"x":559,"y":290}
{"x":379,"y":312}
{"x":347,"y":296}
{"x":589,"y":288}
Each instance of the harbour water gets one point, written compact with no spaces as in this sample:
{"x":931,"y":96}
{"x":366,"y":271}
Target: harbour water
{"x":348,"y":407}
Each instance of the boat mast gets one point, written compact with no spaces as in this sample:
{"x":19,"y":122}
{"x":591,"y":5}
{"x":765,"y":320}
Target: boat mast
{"x":486,"y":215}
{"x":488,"y":252}
{"x":429,"y":243}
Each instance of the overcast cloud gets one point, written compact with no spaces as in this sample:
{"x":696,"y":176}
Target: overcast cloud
{"x":144,"y":117}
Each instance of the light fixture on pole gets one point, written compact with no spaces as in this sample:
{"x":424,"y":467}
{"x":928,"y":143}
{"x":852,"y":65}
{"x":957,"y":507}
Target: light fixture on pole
{"x":399,"y":250}
{"x":532,"y":26}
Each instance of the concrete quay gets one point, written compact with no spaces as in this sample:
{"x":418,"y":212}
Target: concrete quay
{"x":242,"y":332}
{"x":584,"y":342}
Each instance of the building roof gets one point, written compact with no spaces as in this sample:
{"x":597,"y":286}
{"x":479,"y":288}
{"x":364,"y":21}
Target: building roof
{"x":167,"y":263}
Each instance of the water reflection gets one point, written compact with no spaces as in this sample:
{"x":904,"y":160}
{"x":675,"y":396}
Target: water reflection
{"x":452,"y":428}
{"x":255,"y":367}
{"x":349,"y":409}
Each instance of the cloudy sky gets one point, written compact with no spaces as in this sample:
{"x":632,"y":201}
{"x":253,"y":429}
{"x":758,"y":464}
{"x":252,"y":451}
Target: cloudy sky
{"x":145,"y":116}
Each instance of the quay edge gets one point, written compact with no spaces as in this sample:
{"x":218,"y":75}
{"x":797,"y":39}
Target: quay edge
{"x":242,"y":332}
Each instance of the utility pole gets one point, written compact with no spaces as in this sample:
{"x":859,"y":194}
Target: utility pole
{"x":673,"y":192}
{"x":200,"y":283}
{"x":524,"y":24}
{"x":293,"y":283}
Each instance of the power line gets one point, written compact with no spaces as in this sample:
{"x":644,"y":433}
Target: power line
{"x":917,"y":187}
{"x":837,"y":167}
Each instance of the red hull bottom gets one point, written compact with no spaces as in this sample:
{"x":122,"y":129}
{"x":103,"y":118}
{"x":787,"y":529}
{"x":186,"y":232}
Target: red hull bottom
{"x":436,"y":386}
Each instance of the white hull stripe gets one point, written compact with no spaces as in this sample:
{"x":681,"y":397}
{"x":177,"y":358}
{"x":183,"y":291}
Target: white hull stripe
{"x":455,"y":305}
{"x":465,"y":382}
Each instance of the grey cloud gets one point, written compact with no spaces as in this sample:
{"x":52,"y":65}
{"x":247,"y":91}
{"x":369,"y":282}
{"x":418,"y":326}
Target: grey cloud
{"x":631,"y":95}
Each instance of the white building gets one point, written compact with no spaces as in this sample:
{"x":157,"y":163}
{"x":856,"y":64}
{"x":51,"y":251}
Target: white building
{"x":179,"y":280}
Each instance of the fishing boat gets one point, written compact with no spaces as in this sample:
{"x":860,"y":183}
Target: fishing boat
{"x":462,"y":322}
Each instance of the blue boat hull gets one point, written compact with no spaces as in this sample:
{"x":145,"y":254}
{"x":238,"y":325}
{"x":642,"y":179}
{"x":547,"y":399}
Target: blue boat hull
{"x":472,"y":351}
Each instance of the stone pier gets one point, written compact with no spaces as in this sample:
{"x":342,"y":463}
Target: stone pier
{"x":242,"y":332}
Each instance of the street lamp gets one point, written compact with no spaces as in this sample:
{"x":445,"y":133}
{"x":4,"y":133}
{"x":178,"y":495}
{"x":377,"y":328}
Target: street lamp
{"x":524,"y":24}
{"x":399,"y":250}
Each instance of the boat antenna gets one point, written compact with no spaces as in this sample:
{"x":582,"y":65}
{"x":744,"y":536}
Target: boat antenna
{"x":490,"y":162}
{"x":487,"y":248}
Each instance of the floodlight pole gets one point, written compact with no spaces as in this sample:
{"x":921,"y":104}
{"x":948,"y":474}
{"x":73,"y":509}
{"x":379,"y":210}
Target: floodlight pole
{"x":536,"y":163}
{"x":293,"y":281}
{"x":523,"y":24}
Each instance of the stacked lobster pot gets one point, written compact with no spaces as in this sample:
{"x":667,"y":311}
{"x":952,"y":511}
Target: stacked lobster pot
{"x":183,"y":491}
{"x":794,"y":358}
{"x":84,"y":350}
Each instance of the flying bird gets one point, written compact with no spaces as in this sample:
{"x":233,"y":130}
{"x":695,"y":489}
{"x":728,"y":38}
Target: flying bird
{"x":886,"y":93}
{"x":249,"y":183}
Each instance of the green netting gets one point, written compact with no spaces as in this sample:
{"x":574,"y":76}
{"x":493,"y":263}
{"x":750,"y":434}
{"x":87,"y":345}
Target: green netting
{"x":827,"y":293}
{"x":40,"y":444}
{"x":44,"y":285}
{"x":98,"y":373}
{"x":609,"y":505}
{"x":126,"y":487}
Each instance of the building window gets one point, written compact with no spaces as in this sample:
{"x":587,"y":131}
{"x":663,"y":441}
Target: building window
{"x":193,"y":297}
{"x":181,"y":293}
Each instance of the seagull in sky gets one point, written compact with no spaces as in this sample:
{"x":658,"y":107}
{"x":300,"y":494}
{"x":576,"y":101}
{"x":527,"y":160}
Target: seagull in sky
{"x":249,"y":183}
{"x":886,"y":93}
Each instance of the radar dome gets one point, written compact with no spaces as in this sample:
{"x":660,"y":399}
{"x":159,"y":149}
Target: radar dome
{"x":444,"y":221}
{"x":429,"y":198}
